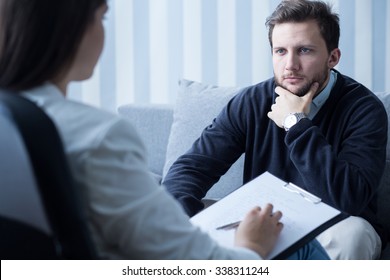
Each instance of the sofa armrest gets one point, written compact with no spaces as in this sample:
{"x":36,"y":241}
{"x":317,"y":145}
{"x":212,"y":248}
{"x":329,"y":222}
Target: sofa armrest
{"x":153,"y":123}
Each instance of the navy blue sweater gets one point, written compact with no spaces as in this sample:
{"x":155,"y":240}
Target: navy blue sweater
{"x":339,"y":155}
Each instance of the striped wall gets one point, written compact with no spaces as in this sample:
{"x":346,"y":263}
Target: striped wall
{"x":150,"y":44}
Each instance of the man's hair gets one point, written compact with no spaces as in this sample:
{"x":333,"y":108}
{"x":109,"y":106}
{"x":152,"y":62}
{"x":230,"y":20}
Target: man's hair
{"x":39,"y":39}
{"x":303,"y":10}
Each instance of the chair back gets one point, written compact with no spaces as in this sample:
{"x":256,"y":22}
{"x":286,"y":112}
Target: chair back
{"x":41,"y":214}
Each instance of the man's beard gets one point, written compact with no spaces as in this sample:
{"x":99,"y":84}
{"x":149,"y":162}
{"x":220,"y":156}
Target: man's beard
{"x":320,"y":78}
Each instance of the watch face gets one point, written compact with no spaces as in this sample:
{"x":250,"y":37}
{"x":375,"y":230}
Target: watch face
{"x":290,"y":121}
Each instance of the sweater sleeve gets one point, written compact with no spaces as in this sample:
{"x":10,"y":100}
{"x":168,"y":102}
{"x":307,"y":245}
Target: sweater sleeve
{"x":345,"y":171}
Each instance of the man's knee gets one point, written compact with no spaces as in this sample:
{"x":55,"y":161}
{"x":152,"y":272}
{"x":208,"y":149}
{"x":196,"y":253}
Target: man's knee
{"x":352,"y":238}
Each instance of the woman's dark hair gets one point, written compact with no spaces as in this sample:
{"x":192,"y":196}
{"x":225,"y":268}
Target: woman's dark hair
{"x":304,"y":10}
{"x":39,"y":38}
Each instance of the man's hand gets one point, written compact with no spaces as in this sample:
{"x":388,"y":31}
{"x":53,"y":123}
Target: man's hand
{"x":287,"y":103}
{"x":259,"y":230}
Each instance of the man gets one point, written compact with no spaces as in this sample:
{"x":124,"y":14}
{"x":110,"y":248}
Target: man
{"x":309,"y":125}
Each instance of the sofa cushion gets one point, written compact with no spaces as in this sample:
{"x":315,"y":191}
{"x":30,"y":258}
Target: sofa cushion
{"x":196,"y":106}
{"x":153,"y":124}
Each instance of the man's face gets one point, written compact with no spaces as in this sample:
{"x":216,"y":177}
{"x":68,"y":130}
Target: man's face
{"x":300,"y":57}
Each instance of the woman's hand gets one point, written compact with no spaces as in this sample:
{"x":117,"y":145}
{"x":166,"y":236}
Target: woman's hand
{"x":259,"y":230}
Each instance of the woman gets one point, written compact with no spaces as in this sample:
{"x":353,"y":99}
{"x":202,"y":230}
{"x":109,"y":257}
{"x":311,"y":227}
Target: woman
{"x":44,"y":45}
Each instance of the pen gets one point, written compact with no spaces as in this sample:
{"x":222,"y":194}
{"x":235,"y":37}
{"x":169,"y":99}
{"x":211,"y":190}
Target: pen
{"x":229,"y":226}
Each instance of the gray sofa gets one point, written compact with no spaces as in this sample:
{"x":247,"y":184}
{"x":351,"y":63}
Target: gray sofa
{"x":169,"y":130}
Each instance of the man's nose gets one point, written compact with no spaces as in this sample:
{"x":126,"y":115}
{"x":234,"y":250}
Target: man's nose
{"x":292,"y":62}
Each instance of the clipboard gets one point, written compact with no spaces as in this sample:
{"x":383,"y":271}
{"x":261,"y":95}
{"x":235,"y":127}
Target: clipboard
{"x":304,"y":214}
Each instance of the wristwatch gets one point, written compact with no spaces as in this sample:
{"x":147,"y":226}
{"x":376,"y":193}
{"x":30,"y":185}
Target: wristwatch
{"x":292,"y":119}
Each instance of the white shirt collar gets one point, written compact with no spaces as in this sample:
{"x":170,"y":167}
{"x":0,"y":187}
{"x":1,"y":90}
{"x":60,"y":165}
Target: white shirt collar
{"x":44,"y":93}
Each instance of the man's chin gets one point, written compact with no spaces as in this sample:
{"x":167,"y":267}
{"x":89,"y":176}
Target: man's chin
{"x":299,"y":91}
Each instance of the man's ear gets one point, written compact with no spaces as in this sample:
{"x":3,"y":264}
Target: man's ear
{"x":334,"y":58}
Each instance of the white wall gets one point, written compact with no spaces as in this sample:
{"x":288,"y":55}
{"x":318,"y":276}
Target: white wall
{"x":150,"y":44}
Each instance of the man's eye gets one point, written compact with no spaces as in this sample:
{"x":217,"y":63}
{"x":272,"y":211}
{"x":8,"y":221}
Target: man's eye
{"x":304,"y":50}
{"x":280,"y":51}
